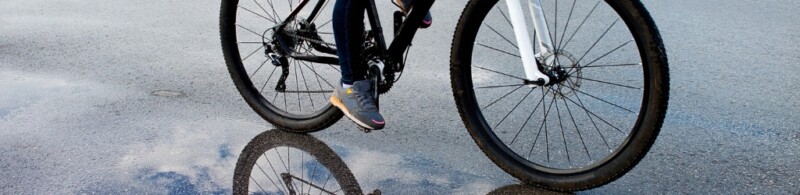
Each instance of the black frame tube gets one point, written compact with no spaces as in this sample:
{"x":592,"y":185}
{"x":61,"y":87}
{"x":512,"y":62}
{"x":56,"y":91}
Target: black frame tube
{"x":404,"y":36}
{"x":409,"y":28}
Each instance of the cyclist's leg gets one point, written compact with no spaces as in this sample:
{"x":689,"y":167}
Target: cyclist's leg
{"x":355,"y":102}
{"x":349,"y":41}
{"x":340,"y":36}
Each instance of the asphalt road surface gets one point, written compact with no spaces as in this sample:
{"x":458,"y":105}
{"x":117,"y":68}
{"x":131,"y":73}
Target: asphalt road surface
{"x":134,"y":97}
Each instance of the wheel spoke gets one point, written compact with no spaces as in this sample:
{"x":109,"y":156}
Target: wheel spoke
{"x":251,"y":53}
{"x":285,"y":166}
{"x":259,"y":68}
{"x":310,"y":179}
{"x":297,"y":87}
{"x":501,"y":36}
{"x":254,"y":32}
{"x":569,"y":111}
{"x":546,"y":133}
{"x":501,"y":51}
{"x":273,"y":170}
{"x":606,"y":54}
{"x":319,"y":76}
{"x":593,"y":114}
{"x":275,"y":17}
{"x":259,"y":185}
{"x":595,"y":97}
{"x":328,"y":178}
{"x":273,"y":10}
{"x":268,"y":78}
{"x":564,"y":32}
{"x":265,"y":174}
{"x":621,"y":85}
{"x":250,"y":42}
{"x":609,"y":65}
{"x":555,"y":25}
{"x":504,"y":74}
{"x":325,"y":97}
{"x":563,"y":137}
{"x":529,"y":117}
{"x":305,"y":82}
{"x":591,"y":120}
{"x":259,"y":15}
{"x":542,"y":125}
{"x":302,"y":171}
{"x":323,"y":24}
{"x":499,"y":86}
{"x":582,"y":22}
{"x":504,"y":96}
{"x":515,"y":108}
{"x":598,"y":40}
{"x":504,"y":16}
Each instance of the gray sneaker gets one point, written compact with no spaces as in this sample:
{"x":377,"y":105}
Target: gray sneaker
{"x":357,"y":104}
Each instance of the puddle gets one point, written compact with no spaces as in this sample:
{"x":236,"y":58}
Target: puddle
{"x":275,"y":162}
{"x":21,"y":90}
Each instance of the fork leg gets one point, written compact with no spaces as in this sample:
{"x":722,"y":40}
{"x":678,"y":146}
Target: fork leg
{"x":517,"y":18}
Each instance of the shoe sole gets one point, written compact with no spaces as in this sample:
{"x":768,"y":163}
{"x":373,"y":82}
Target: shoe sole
{"x":399,"y":4}
{"x":335,"y":101}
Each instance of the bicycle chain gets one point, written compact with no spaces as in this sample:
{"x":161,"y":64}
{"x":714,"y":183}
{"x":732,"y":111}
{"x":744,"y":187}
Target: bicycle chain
{"x":318,"y":41}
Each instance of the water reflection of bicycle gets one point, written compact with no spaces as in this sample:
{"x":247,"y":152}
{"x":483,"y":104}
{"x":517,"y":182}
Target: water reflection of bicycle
{"x":276,"y":162}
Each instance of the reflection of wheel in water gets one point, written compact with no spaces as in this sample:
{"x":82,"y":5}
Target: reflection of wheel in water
{"x":277,"y":162}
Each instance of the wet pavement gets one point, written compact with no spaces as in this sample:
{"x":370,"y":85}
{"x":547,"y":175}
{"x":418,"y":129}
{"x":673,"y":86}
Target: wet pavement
{"x":134,"y":97}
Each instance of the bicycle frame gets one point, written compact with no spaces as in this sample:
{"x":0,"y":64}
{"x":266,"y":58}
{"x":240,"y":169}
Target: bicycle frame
{"x":411,"y":24}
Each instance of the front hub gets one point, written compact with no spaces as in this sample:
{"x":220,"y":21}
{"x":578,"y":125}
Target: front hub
{"x":564,"y":71}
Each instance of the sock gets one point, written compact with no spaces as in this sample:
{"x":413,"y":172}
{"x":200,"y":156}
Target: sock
{"x":345,"y":86}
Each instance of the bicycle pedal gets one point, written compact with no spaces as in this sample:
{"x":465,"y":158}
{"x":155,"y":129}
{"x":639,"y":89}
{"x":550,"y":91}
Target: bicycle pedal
{"x":365,"y":130}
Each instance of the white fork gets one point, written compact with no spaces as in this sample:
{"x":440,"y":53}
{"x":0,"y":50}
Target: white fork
{"x":520,"y":26}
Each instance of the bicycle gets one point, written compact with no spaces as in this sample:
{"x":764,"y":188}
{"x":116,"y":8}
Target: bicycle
{"x":606,"y":78}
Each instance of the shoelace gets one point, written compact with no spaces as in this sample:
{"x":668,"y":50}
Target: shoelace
{"x":365,"y":99}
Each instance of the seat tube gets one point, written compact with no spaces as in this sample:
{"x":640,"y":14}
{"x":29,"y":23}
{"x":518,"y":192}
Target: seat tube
{"x":524,"y":42}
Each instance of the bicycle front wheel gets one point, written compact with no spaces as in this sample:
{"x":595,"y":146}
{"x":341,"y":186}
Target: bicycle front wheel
{"x":583,"y":131}
{"x":261,"y":40}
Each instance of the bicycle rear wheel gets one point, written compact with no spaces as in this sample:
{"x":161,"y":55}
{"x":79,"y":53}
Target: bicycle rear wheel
{"x":579,"y":133}
{"x":260,"y":41}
